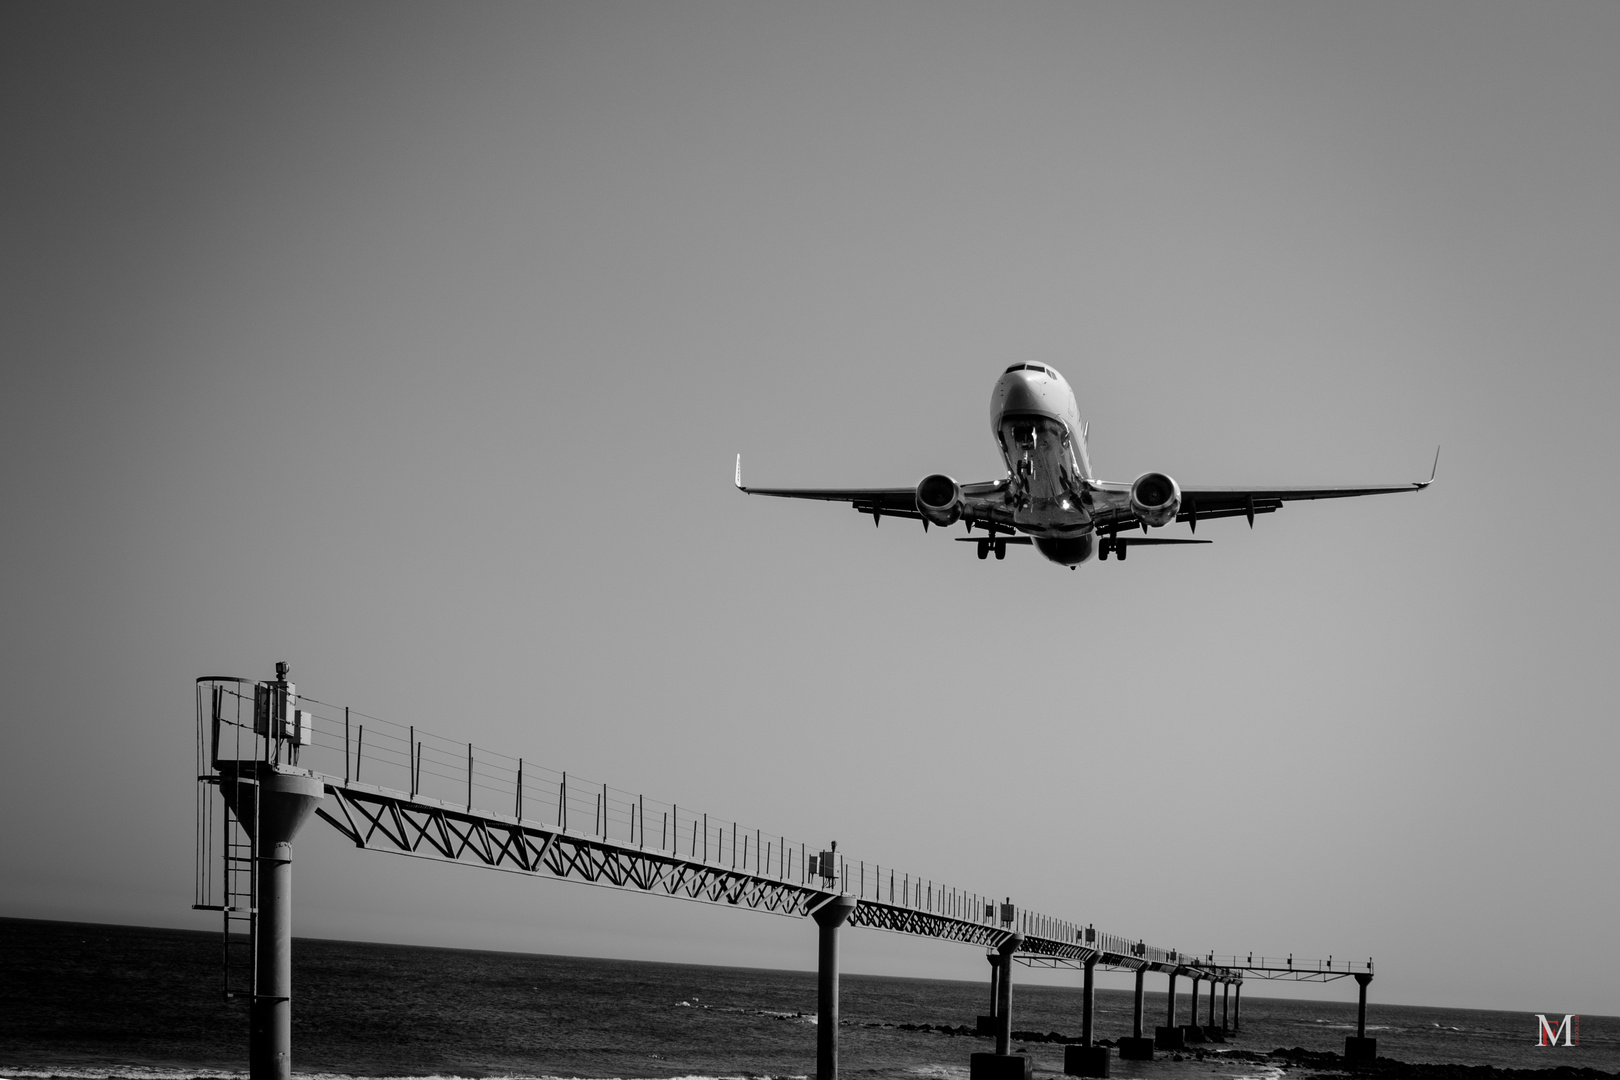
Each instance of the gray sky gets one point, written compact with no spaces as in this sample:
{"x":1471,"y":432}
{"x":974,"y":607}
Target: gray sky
{"x":412,"y":344}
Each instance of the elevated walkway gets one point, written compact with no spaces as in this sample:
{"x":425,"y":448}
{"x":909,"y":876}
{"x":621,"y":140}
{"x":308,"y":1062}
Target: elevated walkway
{"x":397,"y":788}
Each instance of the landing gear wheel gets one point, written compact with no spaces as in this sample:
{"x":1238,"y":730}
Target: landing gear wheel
{"x":984,"y":548}
{"x":1122,"y":550}
{"x":1102,"y":551}
{"x":1001,"y":549}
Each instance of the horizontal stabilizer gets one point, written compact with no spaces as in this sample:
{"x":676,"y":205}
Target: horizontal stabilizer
{"x":999,"y":540}
{"x":1138,"y":541}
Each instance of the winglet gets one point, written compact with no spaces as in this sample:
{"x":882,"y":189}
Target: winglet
{"x":738,"y":481}
{"x":1432,"y":472}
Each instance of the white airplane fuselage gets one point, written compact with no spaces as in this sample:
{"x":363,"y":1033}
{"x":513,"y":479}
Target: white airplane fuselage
{"x":1035,"y":421}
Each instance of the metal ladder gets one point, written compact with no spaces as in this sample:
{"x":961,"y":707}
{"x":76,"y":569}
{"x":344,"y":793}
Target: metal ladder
{"x":234,"y":892}
{"x":239,"y":880}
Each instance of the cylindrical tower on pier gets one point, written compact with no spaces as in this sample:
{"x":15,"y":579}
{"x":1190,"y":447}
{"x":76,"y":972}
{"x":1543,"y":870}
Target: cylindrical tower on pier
{"x":829,"y":917}
{"x":284,"y":800}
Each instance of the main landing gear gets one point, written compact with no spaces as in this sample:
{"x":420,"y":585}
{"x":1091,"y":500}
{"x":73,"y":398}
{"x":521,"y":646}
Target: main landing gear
{"x":1110,"y":544}
{"x":999,"y":545}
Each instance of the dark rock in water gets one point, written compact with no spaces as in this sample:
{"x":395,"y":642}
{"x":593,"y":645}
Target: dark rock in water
{"x":1300,"y":1056}
{"x":941,"y":1029}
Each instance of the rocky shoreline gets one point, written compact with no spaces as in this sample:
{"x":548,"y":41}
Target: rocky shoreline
{"x":1389,"y":1069}
{"x":1319,"y":1062}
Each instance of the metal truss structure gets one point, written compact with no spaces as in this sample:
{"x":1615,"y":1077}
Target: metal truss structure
{"x":1226,"y":968}
{"x":380,"y":819}
{"x":899,"y":919}
{"x":1273,"y":969}
{"x":383,"y":820}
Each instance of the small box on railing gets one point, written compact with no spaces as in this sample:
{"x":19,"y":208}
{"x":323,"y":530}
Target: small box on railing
{"x":301,"y":728}
{"x":264,"y":698}
{"x":273,"y":710}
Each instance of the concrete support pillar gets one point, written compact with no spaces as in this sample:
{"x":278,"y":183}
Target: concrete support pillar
{"x":1237,"y":1007}
{"x":829,"y":917}
{"x":1088,"y":1001}
{"x":1001,"y":1065}
{"x":1086,"y":1059}
{"x":1004,"y":995}
{"x":1210,"y":1032}
{"x":1191,"y":1032}
{"x":1170,"y":1037}
{"x":1359,"y":1049}
{"x":1136,"y":1048}
{"x":284,"y":802}
{"x":987,"y":1021}
{"x":1226,"y":1000}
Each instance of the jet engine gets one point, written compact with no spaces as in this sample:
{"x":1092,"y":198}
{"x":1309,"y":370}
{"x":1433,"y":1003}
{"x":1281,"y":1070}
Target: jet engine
{"x":939,"y":499}
{"x":1155,"y":499}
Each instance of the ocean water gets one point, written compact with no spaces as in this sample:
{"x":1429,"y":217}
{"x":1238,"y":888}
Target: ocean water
{"x":81,"y":1000}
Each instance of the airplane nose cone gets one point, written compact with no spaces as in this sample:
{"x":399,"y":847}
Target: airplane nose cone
{"x":1021,"y":393}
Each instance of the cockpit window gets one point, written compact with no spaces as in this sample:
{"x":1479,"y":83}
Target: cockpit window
{"x":1015,"y":367}
{"x":1028,"y":367}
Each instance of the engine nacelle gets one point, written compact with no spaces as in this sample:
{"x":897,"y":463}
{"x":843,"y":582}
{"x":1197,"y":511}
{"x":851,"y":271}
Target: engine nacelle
{"x":1156,"y":499}
{"x":939,"y":499}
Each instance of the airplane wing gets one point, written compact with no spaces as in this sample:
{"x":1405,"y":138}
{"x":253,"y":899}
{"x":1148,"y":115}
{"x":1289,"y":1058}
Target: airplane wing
{"x":900,"y":502}
{"x":1204,"y":503}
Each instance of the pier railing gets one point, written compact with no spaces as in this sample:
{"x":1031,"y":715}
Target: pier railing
{"x":402,"y":787}
{"x":1277,"y":968}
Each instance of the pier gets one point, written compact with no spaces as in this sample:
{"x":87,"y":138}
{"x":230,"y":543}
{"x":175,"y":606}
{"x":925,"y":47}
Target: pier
{"x":276,"y":759}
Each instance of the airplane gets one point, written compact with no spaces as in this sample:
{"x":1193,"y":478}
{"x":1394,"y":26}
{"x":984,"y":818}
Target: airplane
{"x":1050,"y":498}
